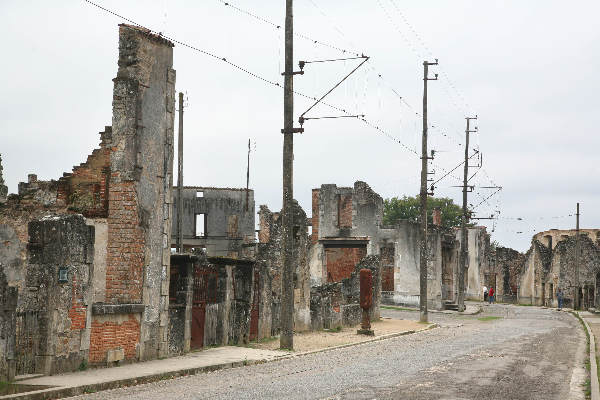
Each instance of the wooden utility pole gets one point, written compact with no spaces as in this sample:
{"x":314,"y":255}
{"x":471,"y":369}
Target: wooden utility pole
{"x":577,"y":293}
{"x":179,"y":243}
{"x":286,"y":340}
{"x":423,"y":197}
{"x":465,"y":219}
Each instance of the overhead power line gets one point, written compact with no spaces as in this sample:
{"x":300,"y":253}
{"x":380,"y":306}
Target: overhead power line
{"x":371,"y":124}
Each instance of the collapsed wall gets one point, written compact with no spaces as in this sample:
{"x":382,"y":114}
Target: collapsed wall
{"x":268,"y":261}
{"x":111,"y":294}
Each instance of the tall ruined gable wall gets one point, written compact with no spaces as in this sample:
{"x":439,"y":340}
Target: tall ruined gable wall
{"x":139,"y":204}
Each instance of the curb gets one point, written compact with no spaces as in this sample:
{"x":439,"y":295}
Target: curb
{"x":342,"y":346}
{"x":61,"y":392}
{"x":593,"y":367}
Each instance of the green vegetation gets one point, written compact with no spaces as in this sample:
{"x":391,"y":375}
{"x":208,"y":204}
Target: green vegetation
{"x":408,"y":208}
{"x":334,"y":330}
{"x":83,"y":366}
{"x":489,"y":318}
{"x":266,"y":339}
{"x":399,"y":308}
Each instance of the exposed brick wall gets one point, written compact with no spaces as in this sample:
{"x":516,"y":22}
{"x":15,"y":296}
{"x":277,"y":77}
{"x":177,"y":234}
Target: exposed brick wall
{"x":125,"y":252}
{"x":342,"y":260}
{"x":107,"y":335}
{"x":387,"y":268}
{"x":78,"y":311}
{"x":85,"y":189}
{"x":345,"y":211}
{"x":315,"y":216}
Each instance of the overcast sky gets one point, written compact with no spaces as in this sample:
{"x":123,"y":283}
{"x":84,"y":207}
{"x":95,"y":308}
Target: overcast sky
{"x":527,"y":69}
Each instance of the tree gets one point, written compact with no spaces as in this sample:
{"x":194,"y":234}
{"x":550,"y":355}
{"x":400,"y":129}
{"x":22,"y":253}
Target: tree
{"x":408,"y":208}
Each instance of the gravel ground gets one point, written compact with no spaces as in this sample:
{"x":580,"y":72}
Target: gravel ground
{"x":527,"y":353}
{"x":320,"y":339}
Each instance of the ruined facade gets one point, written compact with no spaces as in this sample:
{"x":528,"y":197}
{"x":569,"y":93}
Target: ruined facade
{"x":270,"y":267}
{"x":218,"y":220}
{"x":503,"y":272}
{"x":88,"y":254}
{"x":551,"y":264}
{"x":3,"y":187}
{"x":213,"y":301}
{"x":345,"y":237}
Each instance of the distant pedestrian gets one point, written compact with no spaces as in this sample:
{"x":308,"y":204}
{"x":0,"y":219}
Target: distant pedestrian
{"x":559,"y":296}
{"x":485,"y":293}
{"x":491,"y":294}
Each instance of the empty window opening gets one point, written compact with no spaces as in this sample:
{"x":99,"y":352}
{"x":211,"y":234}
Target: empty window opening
{"x":200,"y":225}
{"x":199,"y":194}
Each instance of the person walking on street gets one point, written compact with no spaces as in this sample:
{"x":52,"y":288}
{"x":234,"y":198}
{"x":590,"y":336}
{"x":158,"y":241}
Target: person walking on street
{"x":491,"y":294}
{"x":485,"y":293}
{"x":559,"y":296}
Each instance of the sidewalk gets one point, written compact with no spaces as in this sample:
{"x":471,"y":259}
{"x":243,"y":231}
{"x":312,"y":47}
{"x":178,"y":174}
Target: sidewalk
{"x":592,"y":323}
{"x":94,"y":380}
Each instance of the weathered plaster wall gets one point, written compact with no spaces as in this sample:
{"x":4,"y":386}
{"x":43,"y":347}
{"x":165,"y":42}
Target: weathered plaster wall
{"x":229,"y":223}
{"x":55,"y":242}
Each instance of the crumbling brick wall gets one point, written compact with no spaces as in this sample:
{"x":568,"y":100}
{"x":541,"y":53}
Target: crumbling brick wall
{"x":125,"y":184}
{"x":341,"y":261}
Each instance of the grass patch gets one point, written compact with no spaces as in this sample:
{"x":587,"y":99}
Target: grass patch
{"x":399,"y":308}
{"x":488,"y":318}
{"x":334,"y":330}
{"x":266,"y":339}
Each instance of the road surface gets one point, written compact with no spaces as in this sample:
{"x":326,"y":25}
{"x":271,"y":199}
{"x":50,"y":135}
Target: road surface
{"x":506,"y":352}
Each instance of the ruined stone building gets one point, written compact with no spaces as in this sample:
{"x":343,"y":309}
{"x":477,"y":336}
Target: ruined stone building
{"x":503,"y":272}
{"x":3,"y":187}
{"x":85,"y":259}
{"x":214,"y":282}
{"x":551,"y":263}
{"x":218,"y":220}
{"x":347,"y":225}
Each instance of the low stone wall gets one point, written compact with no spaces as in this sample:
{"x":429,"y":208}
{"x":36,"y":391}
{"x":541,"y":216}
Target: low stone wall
{"x":337,"y":304}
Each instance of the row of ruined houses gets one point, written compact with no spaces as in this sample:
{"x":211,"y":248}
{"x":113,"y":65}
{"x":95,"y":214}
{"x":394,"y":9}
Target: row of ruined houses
{"x":89,"y":274}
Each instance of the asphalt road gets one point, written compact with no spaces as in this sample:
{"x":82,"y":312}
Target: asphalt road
{"x":525,"y":353}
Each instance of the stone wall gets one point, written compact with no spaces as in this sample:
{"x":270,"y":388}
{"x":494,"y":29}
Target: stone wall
{"x":229,"y":228}
{"x":268,"y":258}
{"x":338,"y":304}
{"x":115,"y":307}
{"x":60,"y":244}
{"x":340,"y":233}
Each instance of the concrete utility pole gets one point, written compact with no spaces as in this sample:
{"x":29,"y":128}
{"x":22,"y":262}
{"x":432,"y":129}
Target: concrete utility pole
{"x":423,"y":196}
{"x":286,"y":340}
{"x":248,"y":176}
{"x":577,"y":294}
{"x":465,"y":219}
{"x":179,"y":243}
